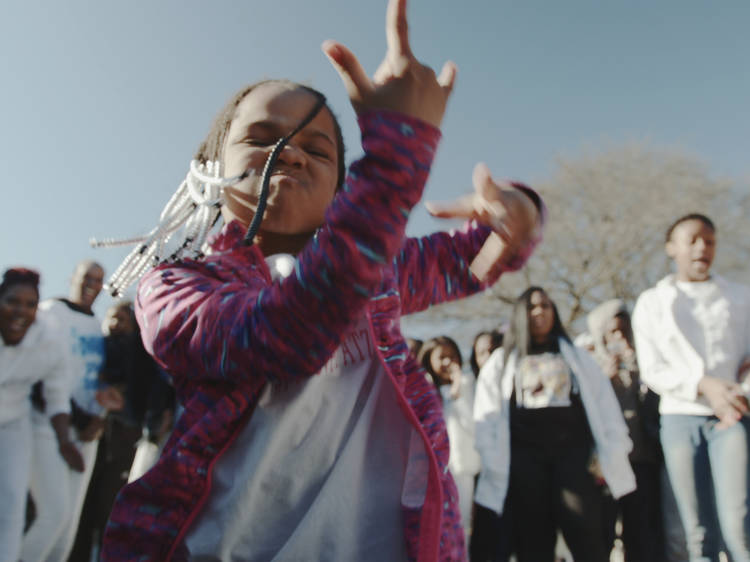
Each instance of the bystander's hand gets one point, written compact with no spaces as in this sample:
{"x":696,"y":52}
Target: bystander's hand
{"x":111,"y":398}
{"x":611,"y":366}
{"x":72,"y":455}
{"x":93,"y":430}
{"x":725,"y":398}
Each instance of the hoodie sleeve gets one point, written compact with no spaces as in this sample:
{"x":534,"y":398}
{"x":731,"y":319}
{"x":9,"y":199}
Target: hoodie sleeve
{"x":492,"y":433}
{"x":664,"y":368}
{"x":56,"y":387}
{"x":215,"y":319}
{"x":436,"y":268}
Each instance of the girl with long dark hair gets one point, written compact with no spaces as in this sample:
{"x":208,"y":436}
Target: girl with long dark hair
{"x":543,"y":408}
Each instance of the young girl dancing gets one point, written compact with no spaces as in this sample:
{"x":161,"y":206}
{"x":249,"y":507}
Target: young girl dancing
{"x":309,"y":432}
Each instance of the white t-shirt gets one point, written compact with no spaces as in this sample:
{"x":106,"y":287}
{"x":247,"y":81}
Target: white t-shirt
{"x":319,"y":471}
{"x":83,"y":341}
{"x":459,"y":423}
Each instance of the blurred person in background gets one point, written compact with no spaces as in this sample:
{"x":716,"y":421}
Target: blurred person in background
{"x":543,"y":408}
{"x":58,"y":490}
{"x":30,"y":351}
{"x":640,"y":511}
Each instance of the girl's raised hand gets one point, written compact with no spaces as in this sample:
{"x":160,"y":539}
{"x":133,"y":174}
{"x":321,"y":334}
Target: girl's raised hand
{"x":401,"y":83}
{"x":510,"y":213}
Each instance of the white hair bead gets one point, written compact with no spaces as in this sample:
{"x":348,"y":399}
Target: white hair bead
{"x":194,"y":208}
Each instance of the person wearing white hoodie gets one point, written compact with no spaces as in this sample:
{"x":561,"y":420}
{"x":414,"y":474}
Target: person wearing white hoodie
{"x":542,"y":408}
{"x":29,"y":352}
{"x":692,"y":335}
{"x":441,"y":359}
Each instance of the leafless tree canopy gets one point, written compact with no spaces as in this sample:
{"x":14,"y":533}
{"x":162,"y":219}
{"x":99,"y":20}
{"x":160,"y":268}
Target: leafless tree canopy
{"x":609,"y":210}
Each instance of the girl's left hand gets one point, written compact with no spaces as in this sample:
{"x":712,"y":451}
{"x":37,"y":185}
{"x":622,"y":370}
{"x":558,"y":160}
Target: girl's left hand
{"x":506,"y":209}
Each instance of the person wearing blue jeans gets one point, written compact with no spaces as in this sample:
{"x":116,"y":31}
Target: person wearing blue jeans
{"x":722,"y":482}
{"x":692,"y":334}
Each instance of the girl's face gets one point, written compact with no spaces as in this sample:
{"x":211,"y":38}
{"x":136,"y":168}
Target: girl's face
{"x":17,"y":312}
{"x":303,"y":181}
{"x":482,"y":349}
{"x":120,"y":321}
{"x":445,"y":363}
{"x":541,"y":316}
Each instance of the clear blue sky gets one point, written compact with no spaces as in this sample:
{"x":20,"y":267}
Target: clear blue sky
{"x":104,"y":103}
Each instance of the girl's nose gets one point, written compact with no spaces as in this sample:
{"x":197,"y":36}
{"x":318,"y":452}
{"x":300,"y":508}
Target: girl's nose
{"x":292,"y":155}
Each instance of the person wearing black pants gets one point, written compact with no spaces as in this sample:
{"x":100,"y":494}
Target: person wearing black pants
{"x":548,"y":426}
{"x":552,"y":488}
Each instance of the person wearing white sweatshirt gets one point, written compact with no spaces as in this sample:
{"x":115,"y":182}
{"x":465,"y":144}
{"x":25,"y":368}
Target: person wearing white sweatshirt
{"x":29,"y":352}
{"x":692,"y":335}
{"x":441,"y":359}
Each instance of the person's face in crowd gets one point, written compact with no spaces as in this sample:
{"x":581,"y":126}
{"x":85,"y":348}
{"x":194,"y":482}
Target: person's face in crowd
{"x":445,"y":363}
{"x":18,"y":305}
{"x":303,"y":181}
{"x":616,"y":334}
{"x":692,"y":247}
{"x":413,"y":345}
{"x":86,"y":284}
{"x":482,"y":349}
{"x":119,"y":321}
{"x":541,"y":316}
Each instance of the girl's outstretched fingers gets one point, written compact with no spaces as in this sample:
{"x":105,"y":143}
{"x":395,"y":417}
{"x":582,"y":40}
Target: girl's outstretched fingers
{"x":499,"y":205}
{"x":447,"y":77}
{"x":358,"y":85}
{"x":401,"y":83}
{"x":397,"y":34}
{"x":510,"y":213}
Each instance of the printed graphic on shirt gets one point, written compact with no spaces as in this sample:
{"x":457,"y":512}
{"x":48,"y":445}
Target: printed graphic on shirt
{"x":87,"y":354}
{"x":544,"y":381}
{"x":356,"y":348}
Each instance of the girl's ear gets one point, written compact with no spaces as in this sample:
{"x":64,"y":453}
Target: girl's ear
{"x":670,"y":249}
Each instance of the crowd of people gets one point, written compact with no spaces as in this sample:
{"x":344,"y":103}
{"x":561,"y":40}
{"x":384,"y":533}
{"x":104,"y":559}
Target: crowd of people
{"x":266,"y":366}
{"x":548,"y":422}
{"x":636,"y":428}
{"x":79,"y":397}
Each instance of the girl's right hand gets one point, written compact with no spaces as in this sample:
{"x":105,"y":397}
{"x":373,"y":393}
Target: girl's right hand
{"x":401,"y":83}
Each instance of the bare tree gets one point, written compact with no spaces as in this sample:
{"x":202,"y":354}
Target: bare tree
{"x":609,"y":210}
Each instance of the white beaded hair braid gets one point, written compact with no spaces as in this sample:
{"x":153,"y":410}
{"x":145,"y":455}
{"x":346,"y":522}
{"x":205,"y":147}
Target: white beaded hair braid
{"x":194,"y":208}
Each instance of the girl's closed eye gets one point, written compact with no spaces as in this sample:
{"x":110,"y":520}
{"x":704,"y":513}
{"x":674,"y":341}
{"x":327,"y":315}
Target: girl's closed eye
{"x":260,"y":141}
{"x":319,"y":152}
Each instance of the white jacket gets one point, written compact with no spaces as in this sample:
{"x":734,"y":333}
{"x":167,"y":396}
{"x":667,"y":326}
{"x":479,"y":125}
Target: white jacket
{"x":39,"y":356}
{"x":669,"y":362}
{"x":492,"y":417}
{"x":459,"y":422}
